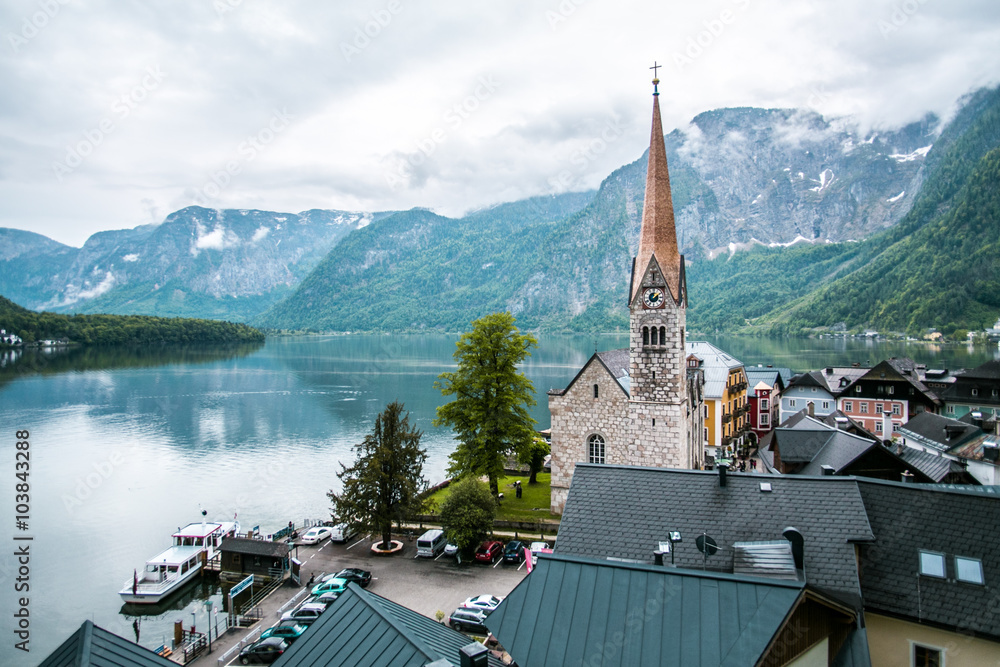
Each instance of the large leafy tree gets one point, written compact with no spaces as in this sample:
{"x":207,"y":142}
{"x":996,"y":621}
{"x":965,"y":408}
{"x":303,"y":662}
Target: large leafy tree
{"x":386,"y":479}
{"x":490,"y":411}
{"x":467,"y":513}
{"x":533,"y":456}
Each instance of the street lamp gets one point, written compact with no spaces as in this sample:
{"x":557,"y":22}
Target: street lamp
{"x":675,"y":537}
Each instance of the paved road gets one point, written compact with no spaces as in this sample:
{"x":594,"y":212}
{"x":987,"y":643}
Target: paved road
{"x":422,"y":584}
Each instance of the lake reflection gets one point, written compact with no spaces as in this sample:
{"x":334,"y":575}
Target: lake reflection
{"x":128,"y":445}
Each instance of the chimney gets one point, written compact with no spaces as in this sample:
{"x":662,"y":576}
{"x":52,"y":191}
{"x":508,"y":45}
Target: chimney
{"x":829,"y":370}
{"x":793,"y":535}
{"x":886,"y":425}
{"x":473,"y":655}
{"x":827,"y":470}
{"x":812,"y":409}
{"x":907,"y":477}
{"x":661,"y":550}
{"x":722,"y":474}
{"x":842,"y":423}
{"x":900,"y":448}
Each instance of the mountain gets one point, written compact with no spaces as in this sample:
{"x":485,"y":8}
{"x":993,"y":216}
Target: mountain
{"x":776,"y":210}
{"x":416,"y":270}
{"x":221,"y":264}
{"x":940,"y":267}
{"x":737,"y":175}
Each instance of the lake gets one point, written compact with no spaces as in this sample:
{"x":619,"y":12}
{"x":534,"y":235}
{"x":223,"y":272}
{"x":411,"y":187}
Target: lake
{"x":127,"y":445}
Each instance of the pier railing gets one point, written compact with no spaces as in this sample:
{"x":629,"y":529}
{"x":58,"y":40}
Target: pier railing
{"x":250,"y":638}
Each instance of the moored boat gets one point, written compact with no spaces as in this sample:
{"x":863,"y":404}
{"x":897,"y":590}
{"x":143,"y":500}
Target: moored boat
{"x":166,"y":572}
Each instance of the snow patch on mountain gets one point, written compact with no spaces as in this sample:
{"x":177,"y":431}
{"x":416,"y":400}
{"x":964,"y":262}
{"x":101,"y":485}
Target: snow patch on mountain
{"x":910,"y":157}
{"x":893,"y":200}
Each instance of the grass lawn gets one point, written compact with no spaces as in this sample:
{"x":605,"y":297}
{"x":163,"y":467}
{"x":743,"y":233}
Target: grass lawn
{"x":513,"y":509}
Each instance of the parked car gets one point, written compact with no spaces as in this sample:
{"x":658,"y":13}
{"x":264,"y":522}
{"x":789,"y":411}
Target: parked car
{"x":342,"y":533}
{"x":465,"y":619}
{"x":537,"y":548}
{"x":335,"y":585}
{"x":489,"y":551}
{"x":451,"y":550}
{"x":316,"y":534}
{"x":360,"y":577}
{"x":287,"y":632}
{"x":306,"y":614}
{"x":514,"y":551}
{"x":484,"y":602}
{"x":263,"y":651}
{"x":324,"y":599}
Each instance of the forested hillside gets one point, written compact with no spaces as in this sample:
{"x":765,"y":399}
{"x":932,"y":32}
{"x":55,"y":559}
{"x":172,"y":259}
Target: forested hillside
{"x":119,"y":329}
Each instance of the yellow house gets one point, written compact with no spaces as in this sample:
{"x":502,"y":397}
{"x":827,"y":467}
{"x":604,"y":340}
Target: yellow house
{"x":726,"y":407}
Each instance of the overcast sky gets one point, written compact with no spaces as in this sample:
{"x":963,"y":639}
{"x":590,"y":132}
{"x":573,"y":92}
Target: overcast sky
{"x":114,"y":114}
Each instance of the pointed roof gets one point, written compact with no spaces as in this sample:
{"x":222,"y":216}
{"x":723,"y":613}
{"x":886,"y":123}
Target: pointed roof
{"x":658,"y":236}
{"x":362,"y":629}
{"x":93,"y":646}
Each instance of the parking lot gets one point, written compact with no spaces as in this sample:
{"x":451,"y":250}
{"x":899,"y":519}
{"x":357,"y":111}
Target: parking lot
{"x":424,"y":585}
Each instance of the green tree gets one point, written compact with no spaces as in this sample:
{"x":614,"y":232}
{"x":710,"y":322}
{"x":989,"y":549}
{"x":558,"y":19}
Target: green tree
{"x":386,"y":479}
{"x":467,"y":513}
{"x":533,"y":456}
{"x":490,"y":412}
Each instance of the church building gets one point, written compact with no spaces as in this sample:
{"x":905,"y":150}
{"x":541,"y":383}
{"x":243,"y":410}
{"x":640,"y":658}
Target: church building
{"x":643,"y":405}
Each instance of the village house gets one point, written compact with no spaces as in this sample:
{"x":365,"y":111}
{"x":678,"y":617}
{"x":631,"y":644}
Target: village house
{"x":820,"y":388}
{"x":764,"y":389}
{"x":969,"y":446}
{"x":974,"y":390}
{"x":893,"y":386}
{"x":726,"y":409}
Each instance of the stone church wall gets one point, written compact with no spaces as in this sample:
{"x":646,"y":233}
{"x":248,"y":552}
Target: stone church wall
{"x":576,"y":415}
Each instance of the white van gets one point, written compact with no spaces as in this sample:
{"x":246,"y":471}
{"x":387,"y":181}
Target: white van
{"x":431,"y":543}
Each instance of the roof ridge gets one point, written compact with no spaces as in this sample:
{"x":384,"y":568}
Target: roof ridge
{"x":678,"y":571}
{"x":383,"y":612}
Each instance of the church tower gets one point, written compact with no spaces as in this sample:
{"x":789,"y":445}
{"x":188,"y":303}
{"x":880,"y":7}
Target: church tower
{"x":657,"y":313}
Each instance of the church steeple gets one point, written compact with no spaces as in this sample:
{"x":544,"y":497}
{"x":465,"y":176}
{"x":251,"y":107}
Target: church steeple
{"x":658,"y":237}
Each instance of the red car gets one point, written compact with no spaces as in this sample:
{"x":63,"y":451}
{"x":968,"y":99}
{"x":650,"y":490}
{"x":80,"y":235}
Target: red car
{"x":490,"y":551}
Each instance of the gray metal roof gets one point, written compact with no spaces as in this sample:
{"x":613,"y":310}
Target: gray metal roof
{"x":953,"y":521}
{"x":715,"y":363}
{"x":939,"y":432}
{"x":361,"y":629}
{"x":840,"y":451}
{"x":624,"y":512}
{"x":242,"y":545}
{"x":94,"y":646}
{"x":769,"y":376}
{"x":936,"y":467}
{"x":799,"y":445}
{"x":574,"y":611}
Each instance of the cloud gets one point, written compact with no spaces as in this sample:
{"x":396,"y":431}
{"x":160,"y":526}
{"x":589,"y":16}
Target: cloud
{"x":558,"y":85}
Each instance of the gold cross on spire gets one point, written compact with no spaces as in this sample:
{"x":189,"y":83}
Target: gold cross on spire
{"x":656,"y":79}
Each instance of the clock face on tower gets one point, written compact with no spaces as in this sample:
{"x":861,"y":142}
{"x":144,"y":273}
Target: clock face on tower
{"x":653,"y":297}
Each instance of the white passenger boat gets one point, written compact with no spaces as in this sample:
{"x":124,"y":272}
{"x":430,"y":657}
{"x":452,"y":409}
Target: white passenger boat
{"x":167,"y":572}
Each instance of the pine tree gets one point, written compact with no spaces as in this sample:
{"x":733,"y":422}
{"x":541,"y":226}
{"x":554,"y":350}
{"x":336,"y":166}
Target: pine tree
{"x":385,"y":481}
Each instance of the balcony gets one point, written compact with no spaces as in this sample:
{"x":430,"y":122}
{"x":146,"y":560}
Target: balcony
{"x":726,"y":418}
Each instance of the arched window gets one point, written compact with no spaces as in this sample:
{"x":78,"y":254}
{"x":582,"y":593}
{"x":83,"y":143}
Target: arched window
{"x":596,"y":391}
{"x":663,"y":335}
{"x":653,"y":338}
{"x":645,"y":335}
{"x":595,"y":449}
